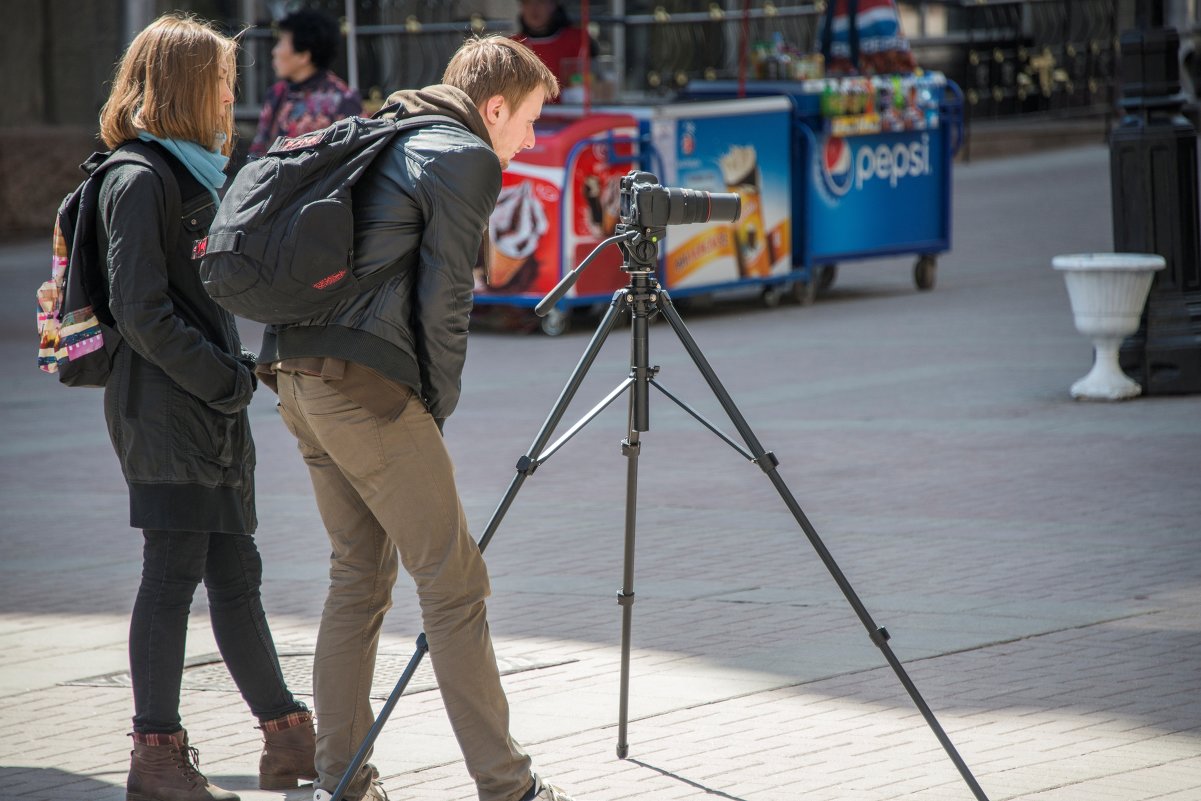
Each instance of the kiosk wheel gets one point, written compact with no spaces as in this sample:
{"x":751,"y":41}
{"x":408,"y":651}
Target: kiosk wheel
{"x":826,"y":275}
{"x":770,"y":296}
{"x":803,"y":293}
{"x":924,"y":272}
{"x":556,"y":322}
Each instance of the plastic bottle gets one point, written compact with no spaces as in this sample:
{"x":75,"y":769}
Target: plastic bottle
{"x":827,"y":99}
{"x":759,"y":57}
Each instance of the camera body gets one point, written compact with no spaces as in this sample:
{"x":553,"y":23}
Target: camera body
{"x":647,"y":204}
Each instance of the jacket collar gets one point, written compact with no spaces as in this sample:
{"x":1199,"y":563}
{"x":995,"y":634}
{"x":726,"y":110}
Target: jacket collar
{"x":442,"y":99}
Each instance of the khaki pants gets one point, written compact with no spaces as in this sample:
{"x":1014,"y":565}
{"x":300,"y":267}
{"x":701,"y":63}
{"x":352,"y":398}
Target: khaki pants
{"x":387,"y":487}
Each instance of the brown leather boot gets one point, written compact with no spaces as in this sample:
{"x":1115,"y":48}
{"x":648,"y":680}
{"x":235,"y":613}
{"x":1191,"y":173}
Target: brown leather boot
{"x":288,"y":746}
{"x":163,"y":767}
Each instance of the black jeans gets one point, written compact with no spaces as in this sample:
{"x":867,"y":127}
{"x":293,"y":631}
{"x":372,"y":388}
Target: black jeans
{"x":173,"y":565}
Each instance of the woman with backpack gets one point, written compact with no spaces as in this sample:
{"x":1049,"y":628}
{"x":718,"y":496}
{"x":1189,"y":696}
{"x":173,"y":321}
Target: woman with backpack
{"x":175,"y":404}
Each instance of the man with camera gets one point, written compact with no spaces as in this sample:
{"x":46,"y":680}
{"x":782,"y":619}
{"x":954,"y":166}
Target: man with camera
{"x":366,"y":387}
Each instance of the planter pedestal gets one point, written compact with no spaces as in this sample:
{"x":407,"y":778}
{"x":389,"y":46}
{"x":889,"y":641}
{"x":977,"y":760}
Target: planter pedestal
{"x":1107,"y":292}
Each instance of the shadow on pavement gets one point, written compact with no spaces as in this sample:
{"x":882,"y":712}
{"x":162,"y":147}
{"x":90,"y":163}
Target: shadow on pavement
{"x":28,"y":782}
{"x":248,"y":783}
{"x":708,"y":790}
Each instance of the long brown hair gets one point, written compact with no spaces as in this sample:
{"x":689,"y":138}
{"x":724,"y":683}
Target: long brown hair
{"x":168,"y":84}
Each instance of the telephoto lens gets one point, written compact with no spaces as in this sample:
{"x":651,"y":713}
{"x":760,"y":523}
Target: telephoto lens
{"x":645,"y":203}
{"x":697,"y":206}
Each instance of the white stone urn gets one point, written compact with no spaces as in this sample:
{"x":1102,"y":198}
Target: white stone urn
{"x":1107,"y":291}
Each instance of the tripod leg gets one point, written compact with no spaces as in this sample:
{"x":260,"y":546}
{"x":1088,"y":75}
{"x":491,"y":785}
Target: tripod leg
{"x":767,"y":463}
{"x":525,"y":466}
{"x":639,"y":420}
{"x":361,"y":755}
{"x":631,"y":449}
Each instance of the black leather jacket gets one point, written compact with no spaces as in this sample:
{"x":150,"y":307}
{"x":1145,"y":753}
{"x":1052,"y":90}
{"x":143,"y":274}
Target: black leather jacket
{"x":431,"y":191}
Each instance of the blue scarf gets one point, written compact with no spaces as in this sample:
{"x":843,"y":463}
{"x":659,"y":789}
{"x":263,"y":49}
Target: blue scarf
{"x":207,"y":166}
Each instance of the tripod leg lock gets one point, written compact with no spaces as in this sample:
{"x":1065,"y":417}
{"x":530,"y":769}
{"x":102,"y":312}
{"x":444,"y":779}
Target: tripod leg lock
{"x":630,"y":448}
{"x":527,"y":465}
{"x":880,"y":636}
{"x":625,"y":598}
{"x":767,"y":462}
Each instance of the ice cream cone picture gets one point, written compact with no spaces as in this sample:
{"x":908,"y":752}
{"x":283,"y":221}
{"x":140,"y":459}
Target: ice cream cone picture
{"x":515,"y":228}
{"x":611,"y":204}
{"x":740,"y":169}
{"x":602,"y":196}
{"x":591,"y":188}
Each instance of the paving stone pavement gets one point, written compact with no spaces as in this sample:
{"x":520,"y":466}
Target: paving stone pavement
{"x":1037,"y":561}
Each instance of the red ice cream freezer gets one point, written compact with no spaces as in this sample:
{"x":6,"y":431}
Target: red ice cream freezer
{"x":557,"y":202}
{"x":563,"y":197}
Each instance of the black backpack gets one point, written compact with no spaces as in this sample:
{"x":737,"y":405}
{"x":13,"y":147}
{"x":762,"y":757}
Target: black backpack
{"x":78,"y":335}
{"x":281,"y":248}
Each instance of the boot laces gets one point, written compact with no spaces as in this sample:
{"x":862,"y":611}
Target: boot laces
{"x":190,"y":764}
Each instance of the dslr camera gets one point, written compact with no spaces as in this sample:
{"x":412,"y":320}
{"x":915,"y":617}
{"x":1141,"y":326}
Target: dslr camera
{"x":647,"y":204}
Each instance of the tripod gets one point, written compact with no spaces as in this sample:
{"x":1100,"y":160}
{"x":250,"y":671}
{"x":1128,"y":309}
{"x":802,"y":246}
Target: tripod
{"x":642,"y":297}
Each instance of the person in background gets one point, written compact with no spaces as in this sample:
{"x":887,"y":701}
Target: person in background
{"x":308,"y":95}
{"x":175,"y":405}
{"x":546,"y":29}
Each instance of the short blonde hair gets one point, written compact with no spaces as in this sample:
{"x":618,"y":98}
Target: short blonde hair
{"x":487,"y":66}
{"x":168,"y":84}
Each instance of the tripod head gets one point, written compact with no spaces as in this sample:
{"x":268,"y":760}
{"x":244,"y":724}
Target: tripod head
{"x":647,"y":208}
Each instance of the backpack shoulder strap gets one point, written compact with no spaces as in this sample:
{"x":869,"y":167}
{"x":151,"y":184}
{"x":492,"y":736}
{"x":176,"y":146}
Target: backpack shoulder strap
{"x":422,"y":120}
{"x":404,"y":120}
{"x":153,"y":156}
{"x":86,"y":280}
{"x":391,"y":108}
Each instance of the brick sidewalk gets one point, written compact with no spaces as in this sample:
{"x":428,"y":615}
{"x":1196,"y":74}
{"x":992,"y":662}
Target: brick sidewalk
{"x":1035,"y":560}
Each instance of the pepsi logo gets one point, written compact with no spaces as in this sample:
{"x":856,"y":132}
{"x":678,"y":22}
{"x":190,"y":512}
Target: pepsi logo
{"x":837,"y":163}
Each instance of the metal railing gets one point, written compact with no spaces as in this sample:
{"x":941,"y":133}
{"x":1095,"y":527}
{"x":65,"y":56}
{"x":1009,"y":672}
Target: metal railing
{"x":1019,"y":57}
{"x":1011,"y":57}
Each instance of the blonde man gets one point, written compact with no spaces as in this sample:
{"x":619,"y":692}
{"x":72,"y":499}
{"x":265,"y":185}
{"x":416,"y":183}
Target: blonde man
{"x":366,"y":387}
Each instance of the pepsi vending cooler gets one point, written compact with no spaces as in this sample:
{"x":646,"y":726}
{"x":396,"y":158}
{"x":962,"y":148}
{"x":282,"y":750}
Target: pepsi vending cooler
{"x":816,"y":187}
{"x":872,"y":161}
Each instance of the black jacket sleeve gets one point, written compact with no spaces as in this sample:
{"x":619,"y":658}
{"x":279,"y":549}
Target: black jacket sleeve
{"x":458,"y":192}
{"x":133,"y":214}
